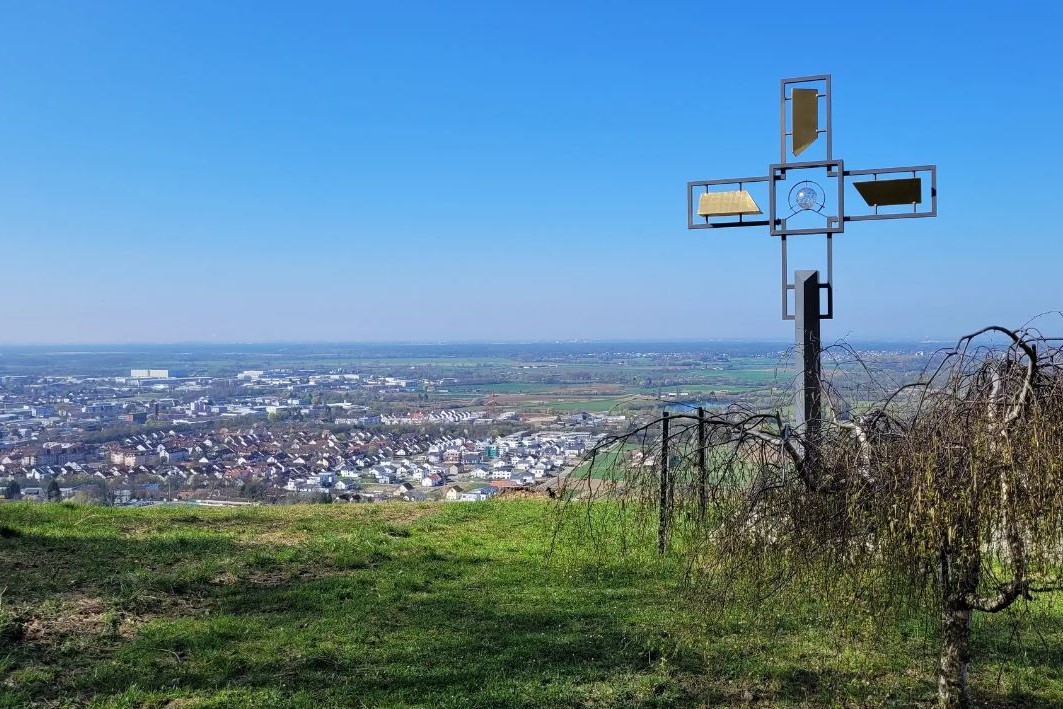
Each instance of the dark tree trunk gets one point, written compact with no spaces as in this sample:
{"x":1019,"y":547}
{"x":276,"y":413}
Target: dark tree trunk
{"x":955,"y":656}
{"x":960,"y":570}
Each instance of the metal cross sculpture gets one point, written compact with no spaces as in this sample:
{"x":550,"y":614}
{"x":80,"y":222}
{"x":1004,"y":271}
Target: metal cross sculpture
{"x":799,"y":205}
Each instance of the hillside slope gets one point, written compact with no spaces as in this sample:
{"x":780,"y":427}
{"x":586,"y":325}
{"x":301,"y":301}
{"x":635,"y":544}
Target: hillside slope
{"x":431,"y":605}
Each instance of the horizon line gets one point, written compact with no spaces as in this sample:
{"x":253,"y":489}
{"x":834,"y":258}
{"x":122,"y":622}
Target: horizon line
{"x":484,"y":342}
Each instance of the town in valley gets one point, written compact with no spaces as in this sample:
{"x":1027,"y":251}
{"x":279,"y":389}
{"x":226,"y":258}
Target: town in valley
{"x":260,"y":424}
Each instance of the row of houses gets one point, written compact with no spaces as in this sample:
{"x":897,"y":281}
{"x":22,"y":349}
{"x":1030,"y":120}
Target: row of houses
{"x":304,"y":461}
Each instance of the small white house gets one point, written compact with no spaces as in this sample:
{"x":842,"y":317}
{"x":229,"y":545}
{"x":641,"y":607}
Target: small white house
{"x":478,"y":495}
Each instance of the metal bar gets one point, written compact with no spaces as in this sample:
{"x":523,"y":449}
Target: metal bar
{"x":830,"y":131}
{"x":806,"y":79}
{"x":901,"y":215}
{"x":840,"y":173}
{"x":782,"y":120}
{"x":725,"y":225}
{"x":888,"y":170}
{"x":807,"y":332}
{"x":690,"y":207}
{"x":834,"y":228}
{"x":934,"y":192}
{"x":728,"y":181}
{"x":665,"y":511}
{"x":830,"y":279}
{"x":785,"y":284}
{"x":830,"y":260}
{"x":826,"y":164}
{"x":830,"y":301}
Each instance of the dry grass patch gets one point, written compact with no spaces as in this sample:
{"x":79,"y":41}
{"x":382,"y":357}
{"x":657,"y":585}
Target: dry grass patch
{"x":74,"y":615}
{"x":280,"y":535}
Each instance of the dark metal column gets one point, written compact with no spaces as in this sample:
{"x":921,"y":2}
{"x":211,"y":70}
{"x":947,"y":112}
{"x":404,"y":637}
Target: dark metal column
{"x":807,"y":322}
{"x":703,"y":470}
{"x":665,"y":520}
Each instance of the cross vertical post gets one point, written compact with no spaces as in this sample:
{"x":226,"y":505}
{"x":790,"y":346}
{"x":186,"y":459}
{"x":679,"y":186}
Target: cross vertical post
{"x":807,"y":406}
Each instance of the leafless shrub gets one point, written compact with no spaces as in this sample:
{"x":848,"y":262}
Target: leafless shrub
{"x":945,"y":492}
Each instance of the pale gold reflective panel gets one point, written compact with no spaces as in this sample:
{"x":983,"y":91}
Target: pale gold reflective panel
{"x":726,"y":204}
{"x":804,"y":107}
{"x":881,"y":193}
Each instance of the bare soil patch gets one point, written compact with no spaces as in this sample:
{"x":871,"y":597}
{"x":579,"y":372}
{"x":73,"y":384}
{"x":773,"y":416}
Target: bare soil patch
{"x":75,"y":615}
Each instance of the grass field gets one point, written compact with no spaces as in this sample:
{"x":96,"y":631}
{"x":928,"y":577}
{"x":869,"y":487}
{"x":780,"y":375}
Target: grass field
{"x":605,"y":464}
{"x":428,"y":606}
{"x":604,"y":405}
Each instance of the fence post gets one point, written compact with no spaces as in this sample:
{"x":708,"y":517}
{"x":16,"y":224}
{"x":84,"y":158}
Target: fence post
{"x":703,"y":472}
{"x":666,"y":484}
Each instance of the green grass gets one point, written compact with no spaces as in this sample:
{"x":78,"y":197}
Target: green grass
{"x":503,"y":388}
{"x":441,"y":605}
{"x":603,"y":405}
{"x":605,"y":464}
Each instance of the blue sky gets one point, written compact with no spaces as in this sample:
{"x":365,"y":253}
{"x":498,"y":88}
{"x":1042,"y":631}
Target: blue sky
{"x":256,"y":171}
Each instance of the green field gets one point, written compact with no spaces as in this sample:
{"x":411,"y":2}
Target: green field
{"x":605,"y":464}
{"x":429,"y":606}
{"x":504,"y":388}
{"x":604,"y":404}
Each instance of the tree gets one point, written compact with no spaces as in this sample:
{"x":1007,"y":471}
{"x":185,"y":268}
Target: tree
{"x":948,"y":493}
{"x":253,"y":490}
{"x":12,"y":491}
{"x":53,"y":493}
{"x":103,"y":493}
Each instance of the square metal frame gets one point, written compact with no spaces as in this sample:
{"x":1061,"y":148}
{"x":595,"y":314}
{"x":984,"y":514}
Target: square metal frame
{"x":828,"y":286}
{"x":783,"y":100}
{"x":706,"y":224}
{"x":777,"y":172}
{"x":932,"y":169}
